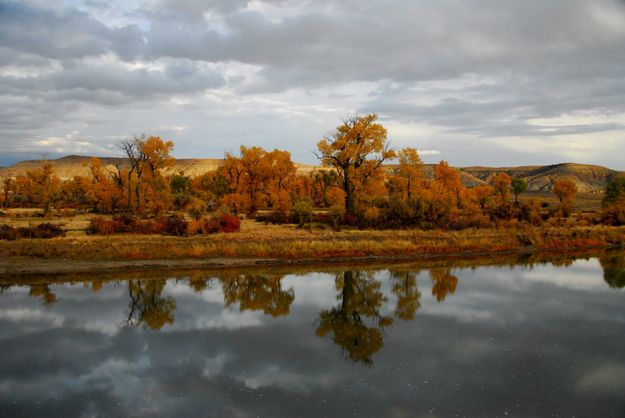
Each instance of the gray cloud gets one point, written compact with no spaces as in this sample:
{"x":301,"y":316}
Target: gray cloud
{"x":482,"y":69}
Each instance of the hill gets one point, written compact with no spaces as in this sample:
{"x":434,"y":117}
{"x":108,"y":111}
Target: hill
{"x":589,"y":179}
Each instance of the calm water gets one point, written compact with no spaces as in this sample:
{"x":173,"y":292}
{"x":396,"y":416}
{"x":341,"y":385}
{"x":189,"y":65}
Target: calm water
{"x":523,"y":340}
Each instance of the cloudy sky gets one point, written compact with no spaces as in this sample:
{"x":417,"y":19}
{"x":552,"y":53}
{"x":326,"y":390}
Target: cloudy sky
{"x":472,"y":82}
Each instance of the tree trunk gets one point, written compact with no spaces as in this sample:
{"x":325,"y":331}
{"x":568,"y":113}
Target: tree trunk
{"x":349,"y":194}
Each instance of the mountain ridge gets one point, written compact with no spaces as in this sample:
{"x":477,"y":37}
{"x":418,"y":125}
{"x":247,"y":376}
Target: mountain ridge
{"x":588,"y":178}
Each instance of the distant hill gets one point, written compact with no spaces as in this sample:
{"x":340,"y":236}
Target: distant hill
{"x":75,"y":165}
{"x":588,"y":178}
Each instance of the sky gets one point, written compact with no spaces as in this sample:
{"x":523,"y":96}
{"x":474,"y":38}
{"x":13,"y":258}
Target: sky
{"x":473,"y":82}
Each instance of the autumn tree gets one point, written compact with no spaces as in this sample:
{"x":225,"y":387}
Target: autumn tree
{"x":448,"y":182}
{"x":356,"y":150}
{"x":103,"y":193}
{"x":132,"y":149}
{"x":9,"y":187}
{"x":280,"y":176}
{"x":210,"y":187}
{"x":409,"y":172}
{"x":147,"y":157}
{"x":501,"y":187}
{"x":44,"y":186}
{"x":324,"y":181}
{"x":518,"y":186}
{"x":236,"y":199}
{"x":565,"y":190}
{"x":255,"y":170}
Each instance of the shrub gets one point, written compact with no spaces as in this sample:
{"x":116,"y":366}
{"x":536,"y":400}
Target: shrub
{"x":125,"y":224}
{"x":172,"y":226}
{"x":117,"y":225}
{"x":195,"y":207}
{"x":302,"y":212}
{"x":371,"y":217}
{"x":223,"y":222}
{"x":229,"y":223}
{"x":613,"y":214}
{"x":335,"y":214}
{"x":41,"y":231}
{"x":8,"y":233}
{"x":531,"y":212}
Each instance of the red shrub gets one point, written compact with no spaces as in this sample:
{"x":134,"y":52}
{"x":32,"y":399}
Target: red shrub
{"x":229,"y":223}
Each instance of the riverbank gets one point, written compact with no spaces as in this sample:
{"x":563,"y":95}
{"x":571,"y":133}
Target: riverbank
{"x":259,"y":244}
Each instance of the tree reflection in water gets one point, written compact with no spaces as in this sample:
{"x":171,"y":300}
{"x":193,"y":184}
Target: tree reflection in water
{"x":257,"y":292}
{"x":147,"y":304}
{"x":42,"y":291}
{"x":443,"y":283}
{"x":613,"y":270}
{"x":360,"y":300}
{"x":404,"y":287}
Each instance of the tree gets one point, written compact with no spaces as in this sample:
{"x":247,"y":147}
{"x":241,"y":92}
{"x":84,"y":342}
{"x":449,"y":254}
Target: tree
{"x":356,"y":150}
{"x":279,"y":179}
{"x":518,"y":186}
{"x":132,"y":148}
{"x":501,"y":185}
{"x":255,"y":170}
{"x":615,"y":191}
{"x":103,"y":193}
{"x":409,"y":171}
{"x":448,"y":182}
{"x":8,"y":190}
{"x":613,"y":203}
{"x":565,"y":190}
{"x":148,"y":156}
{"x":44,"y":185}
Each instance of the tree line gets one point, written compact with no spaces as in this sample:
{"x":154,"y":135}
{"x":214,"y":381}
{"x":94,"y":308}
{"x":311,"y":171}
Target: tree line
{"x":355,"y":186}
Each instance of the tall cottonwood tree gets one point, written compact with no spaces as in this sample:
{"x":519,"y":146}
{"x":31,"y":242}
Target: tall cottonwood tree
{"x":409,"y":171}
{"x":146,"y":156}
{"x":356,"y":150}
{"x":44,"y":185}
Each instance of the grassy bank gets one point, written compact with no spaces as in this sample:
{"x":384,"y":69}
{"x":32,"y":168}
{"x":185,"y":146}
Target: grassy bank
{"x":285,"y":243}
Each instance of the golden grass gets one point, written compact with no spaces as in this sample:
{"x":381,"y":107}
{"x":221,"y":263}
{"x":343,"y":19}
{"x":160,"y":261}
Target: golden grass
{"x":287,"y":242}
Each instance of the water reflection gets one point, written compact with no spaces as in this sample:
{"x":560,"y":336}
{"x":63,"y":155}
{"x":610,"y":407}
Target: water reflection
{"x":147,"y":304}
{"x":257,"y":292}
{"x":444,"y":283}
{"x":404,"y":287}
{"x":613,"y":270}
{"x":42,"y":291}
{"x":356,"y":323}
{"x":442,"y":340}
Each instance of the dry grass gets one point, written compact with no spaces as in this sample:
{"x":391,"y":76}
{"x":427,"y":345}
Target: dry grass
{"x":287,"y":242}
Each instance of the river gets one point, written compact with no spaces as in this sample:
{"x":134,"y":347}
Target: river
{"x":525,"y":337}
